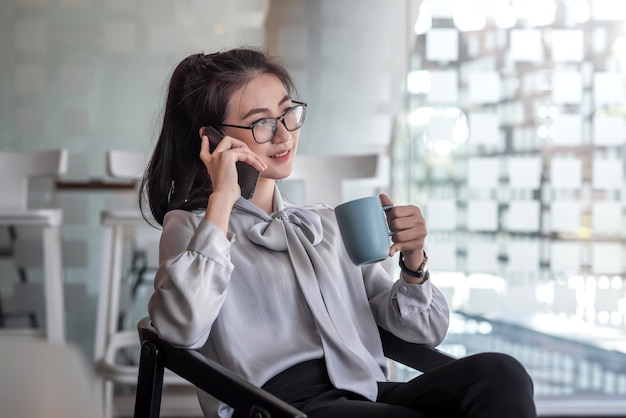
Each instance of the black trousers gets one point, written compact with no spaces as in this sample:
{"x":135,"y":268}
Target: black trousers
{"x":487,"y":385}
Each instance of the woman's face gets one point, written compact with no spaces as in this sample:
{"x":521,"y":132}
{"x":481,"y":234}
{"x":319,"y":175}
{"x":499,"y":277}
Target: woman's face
{"x":264,"y":97}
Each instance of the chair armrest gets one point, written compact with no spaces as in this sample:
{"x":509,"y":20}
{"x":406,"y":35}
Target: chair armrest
{"x":417,"y":356}
{"x":215,"y":379}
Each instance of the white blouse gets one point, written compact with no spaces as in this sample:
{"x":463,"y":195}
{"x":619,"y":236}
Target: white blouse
{"x":280,"y":290}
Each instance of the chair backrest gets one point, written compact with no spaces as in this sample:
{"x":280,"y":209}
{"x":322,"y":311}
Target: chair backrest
{"x":323,"y":176}
{"x":123,"y":164}
{"x":18,"y":167}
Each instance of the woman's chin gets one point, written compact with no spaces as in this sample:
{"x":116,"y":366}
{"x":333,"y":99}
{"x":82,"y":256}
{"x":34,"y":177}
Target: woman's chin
{"x":283,"y":177}
{"x":277,"y":175}
{"x":283,"y":172}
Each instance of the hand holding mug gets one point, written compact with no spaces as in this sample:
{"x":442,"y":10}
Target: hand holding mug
{"x":410,"y":232}
{"x":367,"y":223}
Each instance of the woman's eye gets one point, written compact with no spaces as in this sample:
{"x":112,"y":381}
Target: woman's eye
{"x":265,"y":122}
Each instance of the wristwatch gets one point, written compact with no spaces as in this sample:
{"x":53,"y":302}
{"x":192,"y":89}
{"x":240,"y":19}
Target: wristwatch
{"x":422,"y":271}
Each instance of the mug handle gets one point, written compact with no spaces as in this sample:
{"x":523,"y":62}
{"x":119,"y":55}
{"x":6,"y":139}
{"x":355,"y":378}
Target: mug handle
{"x":390,"y":233}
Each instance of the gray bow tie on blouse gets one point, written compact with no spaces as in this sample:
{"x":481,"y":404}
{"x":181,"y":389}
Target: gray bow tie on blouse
{"x":297,"y":231}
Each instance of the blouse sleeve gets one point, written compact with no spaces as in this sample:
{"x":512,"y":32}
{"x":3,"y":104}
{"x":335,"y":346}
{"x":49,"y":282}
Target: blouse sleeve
{"x":416,"y":313}
{"x":191,"y":281}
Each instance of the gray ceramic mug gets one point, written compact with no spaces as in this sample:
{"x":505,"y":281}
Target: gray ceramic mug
{"x":364,"y":230}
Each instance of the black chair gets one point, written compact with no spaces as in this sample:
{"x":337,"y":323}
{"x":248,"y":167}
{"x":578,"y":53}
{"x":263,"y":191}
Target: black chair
{"x":221,"y":383}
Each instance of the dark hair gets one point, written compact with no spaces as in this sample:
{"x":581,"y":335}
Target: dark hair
{"x":199,"y":91}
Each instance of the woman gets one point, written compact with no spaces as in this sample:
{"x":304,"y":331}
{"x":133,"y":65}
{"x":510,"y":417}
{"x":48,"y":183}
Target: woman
{"x":267,"y":289}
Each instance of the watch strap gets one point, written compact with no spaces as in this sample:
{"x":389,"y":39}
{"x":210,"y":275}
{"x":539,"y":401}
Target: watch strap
{"x":421,"y":272}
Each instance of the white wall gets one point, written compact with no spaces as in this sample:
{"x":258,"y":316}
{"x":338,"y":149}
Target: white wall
{"x":349,"y":59}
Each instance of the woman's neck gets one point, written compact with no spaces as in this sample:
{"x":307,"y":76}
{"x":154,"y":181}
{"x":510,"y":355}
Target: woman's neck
{"x":263,"y":196}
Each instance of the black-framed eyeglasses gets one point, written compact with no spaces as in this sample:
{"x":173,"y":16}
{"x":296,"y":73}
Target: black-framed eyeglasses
{"x":264,"y":130}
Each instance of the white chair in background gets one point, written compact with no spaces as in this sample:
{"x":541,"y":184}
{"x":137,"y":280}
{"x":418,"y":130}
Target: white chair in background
{"x":323,"y":177}
{"x":16,"y":169}
{"x":116,"y":331}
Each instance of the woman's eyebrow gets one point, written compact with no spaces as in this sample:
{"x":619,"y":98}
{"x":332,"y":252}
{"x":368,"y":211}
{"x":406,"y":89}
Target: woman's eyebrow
{"x":264,"y":109}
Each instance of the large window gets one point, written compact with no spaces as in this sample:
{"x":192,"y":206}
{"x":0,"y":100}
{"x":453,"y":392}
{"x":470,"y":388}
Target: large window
{"x":512,"y":141}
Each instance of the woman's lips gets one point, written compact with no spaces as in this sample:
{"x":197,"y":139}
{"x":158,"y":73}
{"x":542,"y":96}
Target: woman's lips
{"x":281,"y":156}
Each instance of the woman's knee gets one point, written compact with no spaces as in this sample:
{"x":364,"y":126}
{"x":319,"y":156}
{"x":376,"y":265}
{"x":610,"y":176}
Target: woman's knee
{"x":502,"y":370}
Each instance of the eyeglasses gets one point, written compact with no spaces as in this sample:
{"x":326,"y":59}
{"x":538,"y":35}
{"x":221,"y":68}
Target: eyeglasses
{"x":264,"y":130}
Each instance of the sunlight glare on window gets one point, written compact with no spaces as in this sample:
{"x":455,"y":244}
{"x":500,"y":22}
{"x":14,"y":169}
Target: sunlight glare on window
{"x":421,"y":116}
{"x":580,"y":10}
{"x":536,"y":12}
{"x":609,"y":10}
{"x":418,"y":82}
{"x":505,"y":16}
{"x":469,"y":15}
{"x":424,"y":19}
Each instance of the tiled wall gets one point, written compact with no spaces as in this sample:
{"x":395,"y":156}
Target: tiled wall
{"x":90,"y":75}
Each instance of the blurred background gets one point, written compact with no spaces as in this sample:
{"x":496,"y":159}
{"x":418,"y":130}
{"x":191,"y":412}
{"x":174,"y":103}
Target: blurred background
{"x":502,"y":119}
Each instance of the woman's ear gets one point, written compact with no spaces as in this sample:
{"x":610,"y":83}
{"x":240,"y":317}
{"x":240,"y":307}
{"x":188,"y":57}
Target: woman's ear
{"x":213,"y":134}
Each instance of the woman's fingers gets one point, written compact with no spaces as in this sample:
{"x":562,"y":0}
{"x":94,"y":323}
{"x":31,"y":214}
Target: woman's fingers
{"x":252,"y":159}
{"x":221,"y":163}
{"x":239,"y":152}
{"x":385,"y":200}
{"x":410,"y":229}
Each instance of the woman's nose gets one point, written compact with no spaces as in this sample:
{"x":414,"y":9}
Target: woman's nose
{"x":282,"y":134}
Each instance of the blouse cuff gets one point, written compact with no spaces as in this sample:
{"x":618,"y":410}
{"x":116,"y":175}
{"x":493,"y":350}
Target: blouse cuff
{"x":413,"y":298}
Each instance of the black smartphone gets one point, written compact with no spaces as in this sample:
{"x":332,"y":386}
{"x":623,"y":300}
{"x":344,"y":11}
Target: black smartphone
{"x":246,"y":174}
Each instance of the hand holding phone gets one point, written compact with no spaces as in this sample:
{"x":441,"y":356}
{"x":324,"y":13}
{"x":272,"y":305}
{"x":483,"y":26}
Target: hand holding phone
{"x":247,"y":175}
